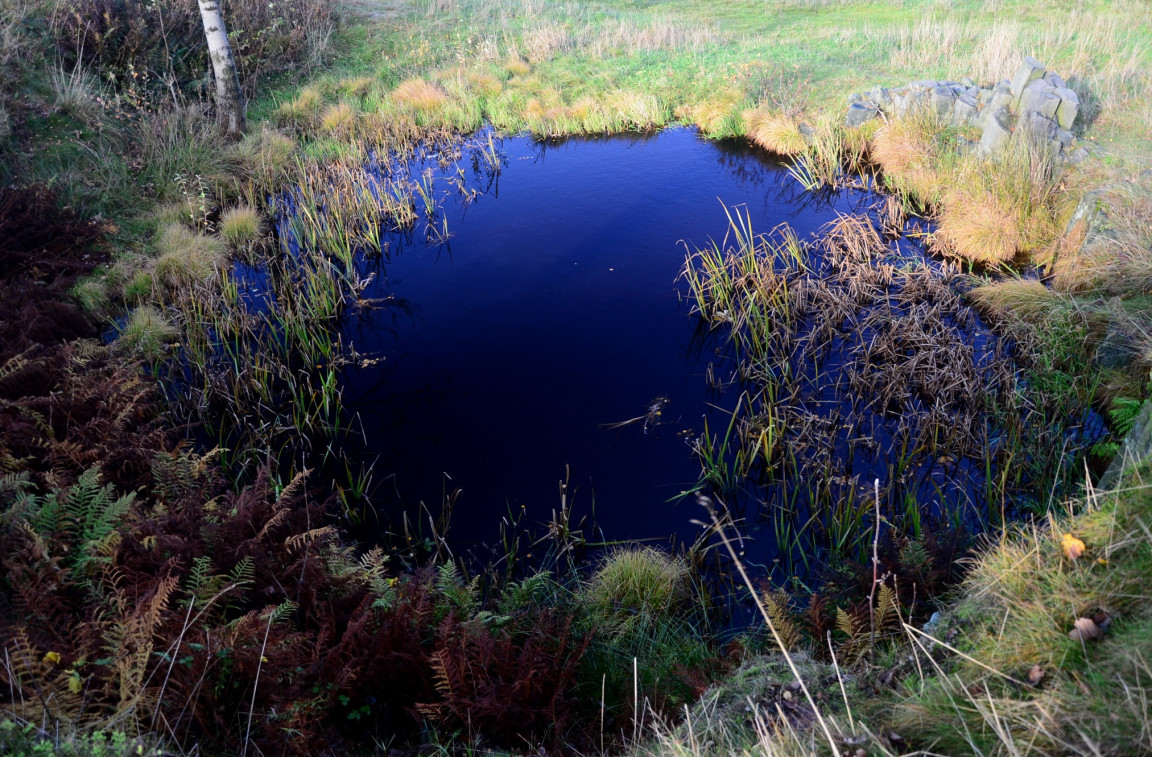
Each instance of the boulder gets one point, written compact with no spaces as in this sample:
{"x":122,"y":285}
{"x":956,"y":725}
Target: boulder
{"x":1115,"y":351}
{"x":1055,"y":79}
{"x":943,"y":98}
{"x":900,"y":104}
{"x":966,"y":111}
{"x":973,"y":92}
{"x":1039,"y":100}
{"x":1079,"y":155}
{"x":855,"y":98}
{"x":1088,"y":210}
{"x":880,"y":96}
{"x":997,"y":131}
{"x":1030,"y":70}
{"x":1064,"y":136}
{"x":985,"y":96}
{"x":1001,"y":97}
{"x":860,"y":113}
{"x":1038,"y":126}
{"x":1069,"y":107}
{"x":1136,"y":447}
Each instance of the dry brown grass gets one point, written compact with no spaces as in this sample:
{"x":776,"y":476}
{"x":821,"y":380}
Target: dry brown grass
{"x":776,"y":132}
{"x":906,"y":150}
{"x":1115,"y":256}
{"x":545,"y":42}
{"x":484,"y":84}
{"x":516,"y":66}
{"x":716,"y":114}
{"x":338,"y":119}
{"x":979,"y":226}
{"x":187,"y":259}
{"x":420,"y":94}
{"x":358,"y":86}
{"x":1025,"y":299}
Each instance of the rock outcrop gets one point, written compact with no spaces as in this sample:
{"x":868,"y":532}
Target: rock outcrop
{"x":1035,"y":100}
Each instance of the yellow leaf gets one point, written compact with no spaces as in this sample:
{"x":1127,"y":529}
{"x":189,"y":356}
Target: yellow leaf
{"x":74,"y":683}
{"x":1072,"y":546}
{"x":52,"y":658}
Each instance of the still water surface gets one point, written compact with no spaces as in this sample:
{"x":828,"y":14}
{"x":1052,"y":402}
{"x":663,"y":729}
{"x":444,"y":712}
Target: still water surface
{"x":554,"y":311}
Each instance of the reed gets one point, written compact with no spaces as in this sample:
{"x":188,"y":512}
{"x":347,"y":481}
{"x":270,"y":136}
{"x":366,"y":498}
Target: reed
{"x":852,"y":363}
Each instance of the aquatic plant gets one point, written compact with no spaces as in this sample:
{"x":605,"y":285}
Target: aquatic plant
{"x":914,"y":404}
{"x":240,"y":226}
{"x":148,"y":332}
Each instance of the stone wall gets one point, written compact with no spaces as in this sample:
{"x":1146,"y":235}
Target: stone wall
{"x":1035,"y":100}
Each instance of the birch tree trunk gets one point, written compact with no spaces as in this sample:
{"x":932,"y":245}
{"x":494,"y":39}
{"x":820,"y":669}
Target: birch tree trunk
{"x":229,"y":98}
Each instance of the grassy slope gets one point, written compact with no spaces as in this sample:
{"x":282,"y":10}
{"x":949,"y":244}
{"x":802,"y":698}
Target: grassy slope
{"x":811,"y":53}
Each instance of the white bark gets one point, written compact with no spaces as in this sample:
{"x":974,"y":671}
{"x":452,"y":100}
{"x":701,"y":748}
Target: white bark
{"x":230,"y":104}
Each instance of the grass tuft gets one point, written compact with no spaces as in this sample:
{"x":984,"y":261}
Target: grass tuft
{"x":338,"y":119}
{"x":240,"y":226}
{"x":420,"y":94}
{"x":76,"y":93}
{"x":907,"y":150}
{"x":148,"y":332}
{"x":775,"y":132}
{"x":187,"y":258}
{"x":639,"y":580}
{"x":1024,"y":299}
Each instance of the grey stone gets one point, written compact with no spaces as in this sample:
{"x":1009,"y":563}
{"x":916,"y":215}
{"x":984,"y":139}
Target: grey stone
{"x":1056,"y":79}
{"x":1089,"y":208}
{"x":985,"y":96}
{"x":1030,"y":70}
{"x":967,"y":82}
{"x":957,"y":89}
{"x":1037,"y":126}
{"x":943,"y":99}
{"x":1001,"y":98}
{"x":881,"y":97}
{"x":1064,"y":136}
{"x":1068,"y":108}
{"x":966,"y":111}
{"x":1039,"y":101}
{"x":1117,"y":350}
{"x":859,"y":113}
{"x":899,"y":103}
{"x":855,"y":98}
{"x":1134,"y":450}
{"x":1078,"y":156}
{"x":997,"y":131}
{"x":973,"y":92}
{"x":806,"y":131}
{"x":924,"y":85}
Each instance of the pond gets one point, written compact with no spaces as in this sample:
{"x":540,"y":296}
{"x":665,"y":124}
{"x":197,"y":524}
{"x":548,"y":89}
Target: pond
{"x":533,"y":328}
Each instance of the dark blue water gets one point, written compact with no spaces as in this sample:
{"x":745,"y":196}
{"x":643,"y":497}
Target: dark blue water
{"x":554,"y":311}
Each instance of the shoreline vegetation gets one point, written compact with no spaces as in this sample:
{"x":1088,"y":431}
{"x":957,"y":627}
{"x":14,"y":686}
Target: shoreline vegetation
{"x":177,"y":577}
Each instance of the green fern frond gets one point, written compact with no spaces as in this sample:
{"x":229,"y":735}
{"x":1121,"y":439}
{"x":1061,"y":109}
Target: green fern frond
{"x":283,"y":612}
{"x":198,"y":575}
{"x":244,"y":572}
